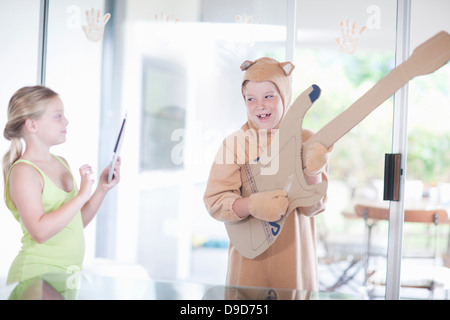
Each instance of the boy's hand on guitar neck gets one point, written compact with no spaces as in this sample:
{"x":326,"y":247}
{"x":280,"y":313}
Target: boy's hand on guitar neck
{"x":316,"y":158}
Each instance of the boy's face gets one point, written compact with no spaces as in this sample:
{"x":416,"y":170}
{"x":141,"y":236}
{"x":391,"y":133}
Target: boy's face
{"x":264,"y":104}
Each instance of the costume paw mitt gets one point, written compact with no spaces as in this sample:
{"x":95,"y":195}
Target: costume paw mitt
{"x":316,"y":158}
{"x":268,"y":205}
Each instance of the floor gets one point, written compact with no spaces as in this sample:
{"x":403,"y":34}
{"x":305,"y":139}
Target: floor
{"x":344,"y":276}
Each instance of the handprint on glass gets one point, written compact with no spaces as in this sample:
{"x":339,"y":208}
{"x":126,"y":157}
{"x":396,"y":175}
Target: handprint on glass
{"x":349,"y":40}
{"x":96,"y":26}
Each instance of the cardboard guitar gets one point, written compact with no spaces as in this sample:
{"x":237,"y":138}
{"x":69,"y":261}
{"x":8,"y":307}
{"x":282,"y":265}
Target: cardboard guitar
{"x":253,"y":236}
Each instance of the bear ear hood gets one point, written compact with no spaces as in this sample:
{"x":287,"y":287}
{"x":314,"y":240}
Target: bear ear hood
{"x":267,"y":69}
{"x":287,"y":67}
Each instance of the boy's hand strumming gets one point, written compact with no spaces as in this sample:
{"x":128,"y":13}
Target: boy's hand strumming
{"x":268,"y":205}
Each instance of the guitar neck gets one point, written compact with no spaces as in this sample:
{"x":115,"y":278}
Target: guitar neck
{"x":345,"y":121}
{"x":426,"y":58}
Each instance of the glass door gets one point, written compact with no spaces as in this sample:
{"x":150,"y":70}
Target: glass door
{"x":425,"y":271}
{"x":345,"y":50}
{"x":74,"y":70}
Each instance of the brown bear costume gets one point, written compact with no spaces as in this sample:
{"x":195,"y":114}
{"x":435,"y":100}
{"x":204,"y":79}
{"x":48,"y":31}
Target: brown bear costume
{"x":291,"y":261}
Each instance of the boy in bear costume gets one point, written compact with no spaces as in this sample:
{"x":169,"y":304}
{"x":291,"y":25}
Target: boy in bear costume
{"x":291,"y":261}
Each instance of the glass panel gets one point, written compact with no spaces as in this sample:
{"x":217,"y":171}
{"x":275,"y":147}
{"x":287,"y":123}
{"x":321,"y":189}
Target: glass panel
{"x":181,"y":86}
{"x":18,"y":65}
{"x":345,"y":50}
{"x":428,"y":174}
{"x":174,"y":66}
{"x":74,"y":64}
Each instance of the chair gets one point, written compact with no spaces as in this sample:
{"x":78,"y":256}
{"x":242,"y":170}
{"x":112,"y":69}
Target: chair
{"x":342,"y":257}
{"x":371,"y":214}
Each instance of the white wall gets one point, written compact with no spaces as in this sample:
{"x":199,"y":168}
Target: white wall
{"x":18,"y":66}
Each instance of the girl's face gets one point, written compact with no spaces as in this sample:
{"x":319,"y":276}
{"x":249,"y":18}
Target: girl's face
{"x":264,"y":104}
{"x":51,"y":126}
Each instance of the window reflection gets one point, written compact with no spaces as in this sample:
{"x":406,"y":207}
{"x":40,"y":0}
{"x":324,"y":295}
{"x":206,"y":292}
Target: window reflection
{"x":163,"y":112}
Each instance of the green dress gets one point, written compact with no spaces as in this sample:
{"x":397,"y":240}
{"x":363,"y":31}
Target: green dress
{"x":62,"y":253}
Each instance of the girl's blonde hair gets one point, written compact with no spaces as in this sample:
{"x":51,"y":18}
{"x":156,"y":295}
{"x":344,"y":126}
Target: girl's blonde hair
{"x":26,"y":103}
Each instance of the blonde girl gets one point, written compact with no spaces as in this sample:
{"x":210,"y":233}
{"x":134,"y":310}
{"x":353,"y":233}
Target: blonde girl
{"x":41,"y":191}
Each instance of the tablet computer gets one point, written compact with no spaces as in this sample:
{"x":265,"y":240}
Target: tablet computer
{"x":117,"y":148}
